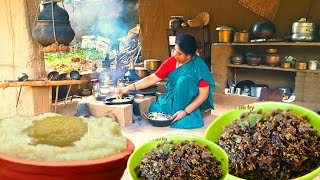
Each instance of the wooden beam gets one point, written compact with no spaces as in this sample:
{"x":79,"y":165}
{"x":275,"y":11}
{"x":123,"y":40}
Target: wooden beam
{"x":6,"y":84}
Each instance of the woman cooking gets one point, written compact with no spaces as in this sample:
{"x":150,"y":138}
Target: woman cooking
{"x":189,"y":85}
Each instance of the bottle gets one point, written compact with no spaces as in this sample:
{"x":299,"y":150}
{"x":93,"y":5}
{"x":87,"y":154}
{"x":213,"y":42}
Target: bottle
{"x":105,"y":76}
{"x":95,"y":86}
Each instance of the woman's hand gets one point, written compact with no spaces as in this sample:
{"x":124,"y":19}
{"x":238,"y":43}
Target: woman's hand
{"x":179,"y":115}
{"x":121,"y":91}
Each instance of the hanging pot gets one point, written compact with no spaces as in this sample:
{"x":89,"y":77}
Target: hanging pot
{"x":60,"y":14}
{"x":43,"y":32}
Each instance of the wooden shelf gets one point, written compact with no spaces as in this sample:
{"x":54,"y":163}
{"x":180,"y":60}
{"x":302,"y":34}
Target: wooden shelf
{"x":270,"y":44}
{"x":40,"y":83}
{"x":269,"y":68}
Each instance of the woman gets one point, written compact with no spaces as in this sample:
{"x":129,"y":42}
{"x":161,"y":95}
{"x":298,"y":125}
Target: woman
{"x":189,"y":85}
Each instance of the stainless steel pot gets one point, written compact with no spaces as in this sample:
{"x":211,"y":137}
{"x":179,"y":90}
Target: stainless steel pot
{"x":303,"y":30}
{"x":255,"y":90}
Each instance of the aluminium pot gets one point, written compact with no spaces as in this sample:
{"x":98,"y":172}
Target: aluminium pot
{"x":255,"y":90}
{"x":303,"y":30}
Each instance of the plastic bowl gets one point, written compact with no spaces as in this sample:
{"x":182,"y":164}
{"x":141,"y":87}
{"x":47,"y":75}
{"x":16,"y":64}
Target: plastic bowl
{"x":135,"y":158}
{"x":111,"y":167}
{"x":216,"y":127}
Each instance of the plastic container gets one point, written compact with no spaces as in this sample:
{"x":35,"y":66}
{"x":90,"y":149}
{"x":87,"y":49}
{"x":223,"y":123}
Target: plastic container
{"x":136,"y":157}
{"x":215,"y":129}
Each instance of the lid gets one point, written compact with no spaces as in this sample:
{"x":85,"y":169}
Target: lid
{"x":302,"y":21}
{"x":224,"y":28}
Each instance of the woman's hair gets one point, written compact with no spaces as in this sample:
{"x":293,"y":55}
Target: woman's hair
{"x":186,"y":43}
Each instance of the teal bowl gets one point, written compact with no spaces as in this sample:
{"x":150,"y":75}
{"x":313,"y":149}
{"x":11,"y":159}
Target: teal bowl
{"x":136,"y":156}
{"x":214,"y":130}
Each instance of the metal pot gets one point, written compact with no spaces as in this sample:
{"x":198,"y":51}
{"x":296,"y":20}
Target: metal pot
{"x":225,"y":33}
{"x":241,"y":36}
{"x":142,"y":72}
{"x":313,"y":65}
{"x":303,"y":30}
{"x":237,"y":59}
{"x":263,"y":30}
{"x":255,"y":90}
{"x":152,"y":64}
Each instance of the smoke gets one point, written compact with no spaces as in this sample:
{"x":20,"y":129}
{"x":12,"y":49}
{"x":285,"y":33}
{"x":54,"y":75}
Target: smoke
{"x":108,"y":18}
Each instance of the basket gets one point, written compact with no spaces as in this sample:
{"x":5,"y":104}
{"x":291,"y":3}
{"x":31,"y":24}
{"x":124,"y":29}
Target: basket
{"x":195,"y":23}
{"x":204,"y":17}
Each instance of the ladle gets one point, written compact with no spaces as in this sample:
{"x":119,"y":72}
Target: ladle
{"x":21,"y":77}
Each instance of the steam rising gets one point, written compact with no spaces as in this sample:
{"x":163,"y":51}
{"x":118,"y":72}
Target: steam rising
{"x":109,"y":18}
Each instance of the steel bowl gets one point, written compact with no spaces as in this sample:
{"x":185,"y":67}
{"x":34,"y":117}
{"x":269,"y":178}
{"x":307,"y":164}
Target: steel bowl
{"x":159,"y":119}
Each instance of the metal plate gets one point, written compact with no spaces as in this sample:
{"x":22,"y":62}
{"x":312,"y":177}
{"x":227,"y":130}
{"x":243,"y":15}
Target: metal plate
{"x":124,"y":100}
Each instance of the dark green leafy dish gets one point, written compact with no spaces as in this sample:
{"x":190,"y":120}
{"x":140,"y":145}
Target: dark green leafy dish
{"x":180,"y":160}
{"x":272,"y":145}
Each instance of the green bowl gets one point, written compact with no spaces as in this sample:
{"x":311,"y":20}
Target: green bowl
{"x":216,"y":127}
{"x":136,"y":156}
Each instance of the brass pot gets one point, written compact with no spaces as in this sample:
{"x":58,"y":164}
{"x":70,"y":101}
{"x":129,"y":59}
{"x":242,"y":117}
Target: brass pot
{"x":301,"y":66}
{"x":241,"y":37}
{"x":286,"y":65}
{"x":152,"y":64}
{"x":225,"y":33}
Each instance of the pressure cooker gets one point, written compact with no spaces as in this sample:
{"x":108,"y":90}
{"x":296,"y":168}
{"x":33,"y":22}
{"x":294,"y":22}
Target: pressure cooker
{"x":303,"y":30}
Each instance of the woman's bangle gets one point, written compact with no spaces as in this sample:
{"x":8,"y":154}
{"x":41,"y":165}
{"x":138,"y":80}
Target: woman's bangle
{"x":135,"y":88}
{"x":186,"y":112}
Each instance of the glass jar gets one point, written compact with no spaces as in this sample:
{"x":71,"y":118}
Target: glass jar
{"x":95,"y":86}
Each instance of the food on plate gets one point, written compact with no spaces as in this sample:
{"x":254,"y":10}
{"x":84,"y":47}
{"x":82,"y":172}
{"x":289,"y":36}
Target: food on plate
{"x":271,"y":145}
{"x":52,"y":137}
{"x":179,"y":160}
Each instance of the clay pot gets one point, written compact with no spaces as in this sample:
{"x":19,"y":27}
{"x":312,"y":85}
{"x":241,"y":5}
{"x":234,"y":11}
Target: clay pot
{"x":43,"y":32}
{"x":59,"y":13}
{"x":111,"y":167}
{"x":263,"y":30}
{"x":253,"y":59}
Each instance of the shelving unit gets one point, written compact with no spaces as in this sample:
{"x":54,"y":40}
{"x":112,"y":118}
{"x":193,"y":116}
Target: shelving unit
{"x":202,"y":36}
{"x":304,"y":83}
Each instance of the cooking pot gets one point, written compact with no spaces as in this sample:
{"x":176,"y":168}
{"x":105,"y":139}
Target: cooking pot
{"x":237,"y":59}
{"x":241,"y":37}
{"x":142,"y":72}
{"x":152,"y":64}
{"x":303,"y":30}
{"x":313,"y":65}
{"x":225,"y":33}
{"x":263,"y":30}
{"x":301,"y":66}
{"x":255,"y":90}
